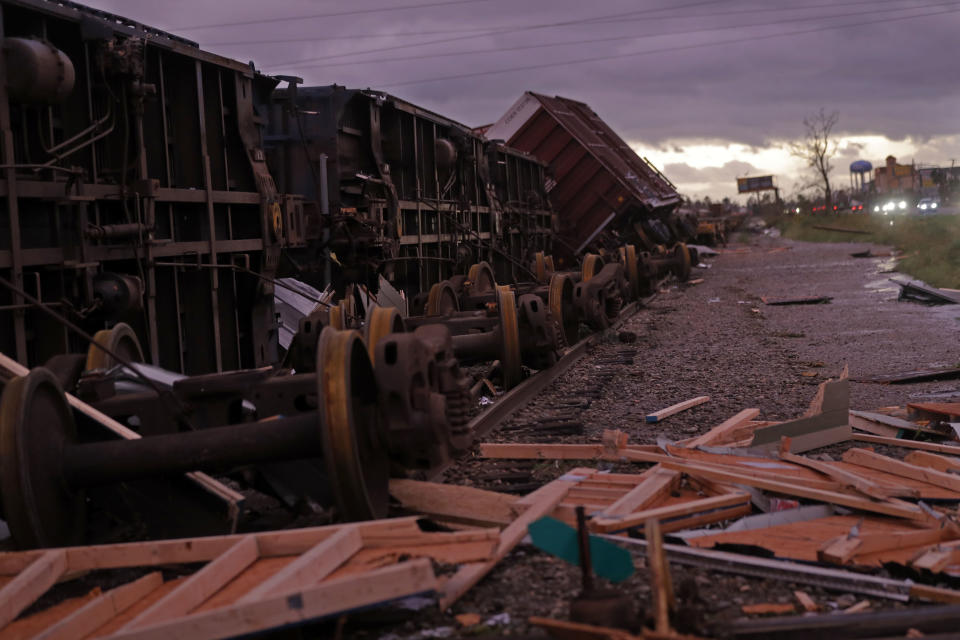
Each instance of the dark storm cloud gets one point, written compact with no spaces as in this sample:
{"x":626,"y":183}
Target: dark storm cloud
{"x":896,"y":78}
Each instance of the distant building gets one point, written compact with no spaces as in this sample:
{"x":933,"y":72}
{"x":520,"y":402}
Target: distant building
{"x":894,"y":178}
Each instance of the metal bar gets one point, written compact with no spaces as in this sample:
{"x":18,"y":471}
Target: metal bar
{"x":211,"y":219}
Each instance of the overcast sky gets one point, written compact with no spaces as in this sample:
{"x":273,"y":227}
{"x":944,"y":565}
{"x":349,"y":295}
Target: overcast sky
{"x":707,"y":89}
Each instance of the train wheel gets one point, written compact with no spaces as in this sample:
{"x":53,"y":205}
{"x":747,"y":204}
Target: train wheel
{"x":382,"y":322}
{"x":633,"y":270}
{"x":354,"y":447}
{"x":540,"y":273}
{"x":682,"y":256}
{"x":121,"y":339}
{"x":481,"y":279}
{"x":510,"y":356}
{"x":442,"y":300}
{"x":36,"y":423}
{"x":562,"y":307}
{"x":549,"y":262}
{"x":592,"y":263}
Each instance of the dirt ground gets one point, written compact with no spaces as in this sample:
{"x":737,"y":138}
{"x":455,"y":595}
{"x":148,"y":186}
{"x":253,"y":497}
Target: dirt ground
{"x":717,"y":339}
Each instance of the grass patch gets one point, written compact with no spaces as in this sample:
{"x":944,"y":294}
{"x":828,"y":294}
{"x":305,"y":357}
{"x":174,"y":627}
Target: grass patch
{"x":930,"y":244}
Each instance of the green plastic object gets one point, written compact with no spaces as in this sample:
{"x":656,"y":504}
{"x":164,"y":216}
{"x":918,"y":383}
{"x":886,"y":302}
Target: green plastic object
{"x":560,"y":539}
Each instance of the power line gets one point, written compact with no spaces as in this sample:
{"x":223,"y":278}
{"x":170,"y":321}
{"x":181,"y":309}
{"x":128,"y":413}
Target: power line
{"x":335,"y":14}
{"x":602,"y":20}
{"x":290,"y":63}
{"x":617,"y":38}
{"x":635,"y":54}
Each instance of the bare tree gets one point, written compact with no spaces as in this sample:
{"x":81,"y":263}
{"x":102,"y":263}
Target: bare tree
{"x":817,"y":148}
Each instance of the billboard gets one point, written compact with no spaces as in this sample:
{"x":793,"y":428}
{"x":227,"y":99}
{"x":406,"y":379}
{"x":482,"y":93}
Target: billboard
{"x":757,"y":183}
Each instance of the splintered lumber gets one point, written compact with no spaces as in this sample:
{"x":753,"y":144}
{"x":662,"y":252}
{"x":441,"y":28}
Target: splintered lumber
{"x":455,"y":503}
{"x":768,"y":608}
{"x":30,"y":584}
{"x":95,"y":613}
{"x":867,"y":458}
{"x":936,"y":559}
{"x":721,"y":507}
{"x":326,"y":598}
{"x":948,"y":410}
{"x":661,"y":587}
{"x":879,"y":424}
{"x":805,"y":601}
{"x":899,"y":510}
{"x":933,"y":461}
{"x":547,"y":498}
{"x":849,"y":479}
{"x":908,"y":444}
{"x":201,"y":585}
{"x":656,"y":484}
{"x":839,"y":550}
{"x":566,"y":630}
{"x":863,"y":605}
{"x":657,"y":416}
{"x":720,"y":433}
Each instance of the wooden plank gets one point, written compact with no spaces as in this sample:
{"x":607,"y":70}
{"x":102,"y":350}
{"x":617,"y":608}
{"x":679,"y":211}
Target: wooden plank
{"x":839,"y":550}
{"x":825,"y":422}
{"x":908,"y":444}
{"x":99,"y":611}
{"x":849,"y":479}
{"x":806,"y":601}
{"x":30,"y":584}
{"x":720,"y":432}
{"x":932,"y":461}
{"x":606,"y":524}
{"x":936,"y":559}
{"x":311,"y":567}
{"x":201,"y":549}
{"x":660,"y":587}
{"x":786,"y":488}
{"x":453,"y":502}
{"x":327,"y":598}
{"x":657,"y":483}
{"x":879,"y":424}
{"x":567,"y":630}
{"x":468,"y":575}
{"x":657,"y":416}
{"x":934,"y":594}
{"x":768,"y":608}
{"x":199,"y":586}
{"x":867,"y":458}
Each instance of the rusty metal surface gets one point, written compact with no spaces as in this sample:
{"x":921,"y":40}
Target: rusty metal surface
{"x":598,"y":177}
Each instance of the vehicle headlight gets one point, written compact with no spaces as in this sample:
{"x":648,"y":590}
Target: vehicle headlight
{"x":933,"y":205}
{"x":923,"y":206}
{"x":903,"y":204}
{"x":876,"y":207}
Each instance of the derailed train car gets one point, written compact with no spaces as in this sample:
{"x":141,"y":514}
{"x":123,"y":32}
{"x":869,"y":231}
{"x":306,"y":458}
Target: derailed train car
{"x":407,"y":193}
{"x":148,"y":182}
{"x":601,"y":189}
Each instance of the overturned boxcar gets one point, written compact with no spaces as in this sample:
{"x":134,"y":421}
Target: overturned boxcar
{"x":597,"y":183}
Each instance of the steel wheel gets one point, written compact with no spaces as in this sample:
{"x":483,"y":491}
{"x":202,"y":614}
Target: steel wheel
{"x":510,"y":356}
{"x":540,"y":271}
{"x":382,"y":322}
{"x":550,"y":267}
{"x":121,"y":339}
{"x":481,"y":279}
{"x":36,"y":424}
{"x":442,"y":300}
{"x":354,"y":448}
{"x":592,"y":263}
{"x":562,"y":307}
{"x":682,"y":256}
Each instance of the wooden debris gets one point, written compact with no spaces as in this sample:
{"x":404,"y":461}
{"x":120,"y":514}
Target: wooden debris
{"x":468,"y":619}
{"x":923,"y":375}
{"x":724,"y":432}
{"x":661,"y":586}
{"x":801,"y":300}
{"x":933,"y":461}
{"x":717,"y":508}
{"x":456,"y":503}
{"x":806,"y":601}
{"x":826,"y":421}
{"x":867,"y":458}
{"x":863,"y":605}
{"x":909,"y":444}
{"x":657,"y":416}
{"x":767,"y":608}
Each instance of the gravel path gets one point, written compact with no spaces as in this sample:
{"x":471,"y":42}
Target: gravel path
{"x":718,"y":339}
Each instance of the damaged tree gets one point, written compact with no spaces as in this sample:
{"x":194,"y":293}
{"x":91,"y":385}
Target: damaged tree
{"x":817,"y":148}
